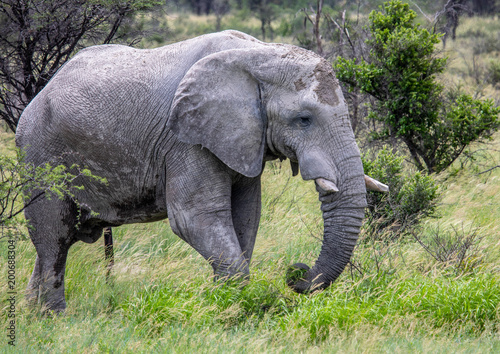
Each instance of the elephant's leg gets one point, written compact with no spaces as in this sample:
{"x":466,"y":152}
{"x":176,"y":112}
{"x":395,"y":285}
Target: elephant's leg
{"x":210,"y":231}
{"x":52,"y":230}
{"x":109,"y":253}
{"x":34,"y":283}
{"x":246,"y":208}
{"x":199,"y":209}
{"x":48,"y":281}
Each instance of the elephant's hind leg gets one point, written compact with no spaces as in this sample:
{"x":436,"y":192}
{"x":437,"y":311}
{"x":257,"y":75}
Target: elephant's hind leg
{"x":34,"y":283}
{"x":109,"y":253}
{"x":52,"y":230}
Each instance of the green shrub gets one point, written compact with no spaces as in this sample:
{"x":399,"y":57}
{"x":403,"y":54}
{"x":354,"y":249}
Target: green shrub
{"x":463,"y":120}
{"x":411,"y":197}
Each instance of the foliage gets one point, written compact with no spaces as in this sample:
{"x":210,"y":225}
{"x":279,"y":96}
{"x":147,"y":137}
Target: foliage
{"x":22,"y":184}
{"x":38,"y":37}
{"x":223,"y":305}
{"x":221,"y":7}
{"x":484,"y":7}
{"x":200,"y":6}
{"x":463,"y":120}
{"x":488,"y":42}
{"x":412,"y":196}
{"x":401,"y":73}
{"x":266,"y":11}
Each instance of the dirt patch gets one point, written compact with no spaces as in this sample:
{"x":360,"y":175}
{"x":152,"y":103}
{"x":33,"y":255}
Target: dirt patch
{"x":242,"y":36}
{"x":327,"y":84}
{"x":300,"y":85}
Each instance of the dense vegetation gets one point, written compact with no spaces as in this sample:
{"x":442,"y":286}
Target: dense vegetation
{"x":424,"y":275}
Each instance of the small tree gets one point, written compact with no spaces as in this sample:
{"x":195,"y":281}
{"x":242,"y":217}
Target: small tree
{"x":400,"y":73}
{"x":200,"y":7}
{"x":315,"y":21}
{"x":266,"y":12}
{"x":37,"y":37}
{"x":22,"y":184}
{"x":452,"y":10}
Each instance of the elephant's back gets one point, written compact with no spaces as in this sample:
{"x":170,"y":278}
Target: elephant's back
{"x":117,"y":95}
{"x":113,"y":100}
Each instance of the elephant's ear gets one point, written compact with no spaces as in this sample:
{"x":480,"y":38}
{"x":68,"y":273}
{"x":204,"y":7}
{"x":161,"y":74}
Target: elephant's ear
{"x":218,"y":106}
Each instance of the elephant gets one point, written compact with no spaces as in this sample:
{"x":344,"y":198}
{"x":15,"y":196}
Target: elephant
{"x":184,"y":131}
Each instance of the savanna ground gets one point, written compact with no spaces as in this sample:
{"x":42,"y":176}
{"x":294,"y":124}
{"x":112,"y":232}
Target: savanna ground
{"x":395,"y":297}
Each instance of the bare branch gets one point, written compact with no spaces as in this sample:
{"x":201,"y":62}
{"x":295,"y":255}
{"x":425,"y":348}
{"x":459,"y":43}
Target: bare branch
{"x":488,"y":170}
{"x":38,"y":37}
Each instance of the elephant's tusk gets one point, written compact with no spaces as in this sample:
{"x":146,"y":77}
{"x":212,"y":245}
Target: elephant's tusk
{"x":374,"y":185}
{"x":326,"y":185}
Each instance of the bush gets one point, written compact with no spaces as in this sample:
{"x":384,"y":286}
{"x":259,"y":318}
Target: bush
{"x":457,"y":248}
{"x":463,"y":120}
{"x":494,"y":73}
{"x":412,"y":196}
{"x":485,"y":44}
{"x":400,"y":73}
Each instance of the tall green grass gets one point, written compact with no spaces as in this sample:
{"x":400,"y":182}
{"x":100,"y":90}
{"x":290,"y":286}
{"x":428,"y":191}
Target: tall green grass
{"x":161,"y":296}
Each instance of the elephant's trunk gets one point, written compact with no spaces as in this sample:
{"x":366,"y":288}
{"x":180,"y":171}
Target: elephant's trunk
{"x":343,"y":213}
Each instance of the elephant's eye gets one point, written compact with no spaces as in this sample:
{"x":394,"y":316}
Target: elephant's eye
{"x":304,"y":122}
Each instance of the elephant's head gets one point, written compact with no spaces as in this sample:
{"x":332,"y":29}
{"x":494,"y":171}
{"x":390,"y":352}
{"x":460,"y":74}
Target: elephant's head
{"x":249,"y":105}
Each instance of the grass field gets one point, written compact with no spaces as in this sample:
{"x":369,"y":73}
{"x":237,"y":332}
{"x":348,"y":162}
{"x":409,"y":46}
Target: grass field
{"x":161,"y":297}
{"x":396,"y":297}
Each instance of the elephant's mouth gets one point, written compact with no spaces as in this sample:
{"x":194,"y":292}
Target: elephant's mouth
{"x":313,"y":166}
{"x":329,"y":187}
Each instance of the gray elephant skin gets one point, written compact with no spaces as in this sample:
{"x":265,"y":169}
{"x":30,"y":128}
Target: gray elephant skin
{"x":184,"y":131}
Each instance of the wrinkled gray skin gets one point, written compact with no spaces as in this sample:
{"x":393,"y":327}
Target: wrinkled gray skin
{"x":183,"y":131}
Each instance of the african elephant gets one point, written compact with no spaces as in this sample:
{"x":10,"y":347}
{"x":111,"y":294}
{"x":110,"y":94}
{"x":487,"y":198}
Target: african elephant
{"x":184,"y":131}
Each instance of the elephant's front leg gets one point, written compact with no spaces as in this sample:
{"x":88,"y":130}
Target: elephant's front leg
{"x":246,"y":209}
{"x":199,"y":208}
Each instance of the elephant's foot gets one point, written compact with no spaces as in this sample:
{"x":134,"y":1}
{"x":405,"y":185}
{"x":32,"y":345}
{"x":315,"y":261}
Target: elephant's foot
{"x":46,"y":291}
{"x":49,"y":302}
{"x":238,"y":280}
{"x":51,"y":299}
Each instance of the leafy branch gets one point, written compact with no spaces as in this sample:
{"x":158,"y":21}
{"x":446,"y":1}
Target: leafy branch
{"x":23,"y":184}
